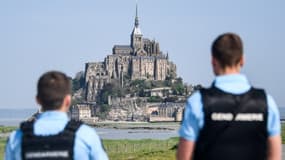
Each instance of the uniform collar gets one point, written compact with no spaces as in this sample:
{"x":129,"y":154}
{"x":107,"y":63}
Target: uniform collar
{"x":231,"y":78}
{"x":53,"y":115}
{"x":232,"y":83}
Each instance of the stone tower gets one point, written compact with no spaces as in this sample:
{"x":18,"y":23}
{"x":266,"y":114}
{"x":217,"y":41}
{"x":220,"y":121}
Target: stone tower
{"x":136,"y":36}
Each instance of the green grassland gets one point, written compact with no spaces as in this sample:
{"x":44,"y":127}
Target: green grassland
{"x":283,"y":133}
{"x":2,"y":147}
{"x":141,"y":149}
{"x":4,"y":129}
{"x":124,"y":149}
{"x":146,"y":149}
{"x":132,"y":149}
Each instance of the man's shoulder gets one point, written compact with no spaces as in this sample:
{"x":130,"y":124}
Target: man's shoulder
{"x":16,"y":133}
{"x":88,"y":136}
{"x":271,"y":104}
{"x":196,"y":95}
{"x":85,"y":131}
{"x":85,"y":127}
{"x":14,"y":138}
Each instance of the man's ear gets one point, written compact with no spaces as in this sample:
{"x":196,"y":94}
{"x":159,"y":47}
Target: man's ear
{"x":38,"y":101}
{"x":214,"y":61}
{"x":242,"y":61}
{"x":216,"y":66}
{"x":67,"y":101}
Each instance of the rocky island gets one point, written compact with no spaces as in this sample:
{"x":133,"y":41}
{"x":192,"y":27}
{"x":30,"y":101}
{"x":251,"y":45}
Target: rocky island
{"x":137,"y":82}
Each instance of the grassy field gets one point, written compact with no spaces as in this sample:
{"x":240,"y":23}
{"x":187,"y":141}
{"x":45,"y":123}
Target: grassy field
{"x":125,"y":149}
{"x":4,"y":129}
{"x":132,"y":149}
{"x":141,"y":149}
{"x":2,"y":146}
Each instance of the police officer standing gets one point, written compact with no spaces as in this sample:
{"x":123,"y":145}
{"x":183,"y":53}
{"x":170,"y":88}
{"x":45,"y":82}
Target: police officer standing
{"x":231,"y":120}
{"x":52,"y":135}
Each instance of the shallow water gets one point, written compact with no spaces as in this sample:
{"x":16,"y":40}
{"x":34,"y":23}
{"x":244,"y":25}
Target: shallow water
{"x":107,"y":133}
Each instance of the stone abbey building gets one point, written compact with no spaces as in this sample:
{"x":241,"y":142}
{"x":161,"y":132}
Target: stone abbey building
{"x":141,"y":59}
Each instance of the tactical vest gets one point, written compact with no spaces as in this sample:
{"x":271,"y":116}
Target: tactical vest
{"x":235,"y":126}
{"x":53,"y":147}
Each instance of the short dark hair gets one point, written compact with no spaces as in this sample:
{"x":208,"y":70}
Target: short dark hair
{"x":52,"y":87}
{"x":227,"y":49}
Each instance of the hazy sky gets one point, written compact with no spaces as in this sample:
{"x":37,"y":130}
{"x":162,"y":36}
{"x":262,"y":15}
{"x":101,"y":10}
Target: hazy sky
{"x":41,"y":35}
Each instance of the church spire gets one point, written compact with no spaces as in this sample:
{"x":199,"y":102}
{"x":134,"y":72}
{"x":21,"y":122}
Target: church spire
{"x":136,"y":36}
{"x":137,"y":18}
{"x":136,"y":30}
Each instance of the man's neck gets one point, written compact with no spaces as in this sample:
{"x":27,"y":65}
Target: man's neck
{"x":61,"y":109}
{"x":229,"y":70}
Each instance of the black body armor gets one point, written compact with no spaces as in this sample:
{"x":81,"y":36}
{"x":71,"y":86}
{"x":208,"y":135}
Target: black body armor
{"x":53,"y":147}
{"x":235,"y":126}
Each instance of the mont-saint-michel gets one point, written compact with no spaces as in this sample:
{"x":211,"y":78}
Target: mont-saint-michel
{"x":137,"y":82}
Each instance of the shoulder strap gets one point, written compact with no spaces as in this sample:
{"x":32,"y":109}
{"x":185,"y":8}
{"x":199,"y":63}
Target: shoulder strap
{"x":72,"y":126}
{"x":27,"y":127}
{"x":260,"y":93}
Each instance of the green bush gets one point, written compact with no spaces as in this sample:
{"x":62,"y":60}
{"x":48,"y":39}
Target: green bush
{"x":4,"y":129}
{"x":154,"y":99}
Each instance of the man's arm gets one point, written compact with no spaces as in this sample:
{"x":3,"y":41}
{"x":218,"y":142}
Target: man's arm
{"x":274,"y":148}
{"x":193,"y":121}
{"x":8,"y":152}
{"x":185,"y":149}
{"x":13,"y":146}
{"x":91,"y":144}
{"x":274,"y":130}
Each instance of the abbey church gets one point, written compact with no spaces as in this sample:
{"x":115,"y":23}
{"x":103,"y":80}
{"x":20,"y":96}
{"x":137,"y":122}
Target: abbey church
{"x":141,"y":59}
